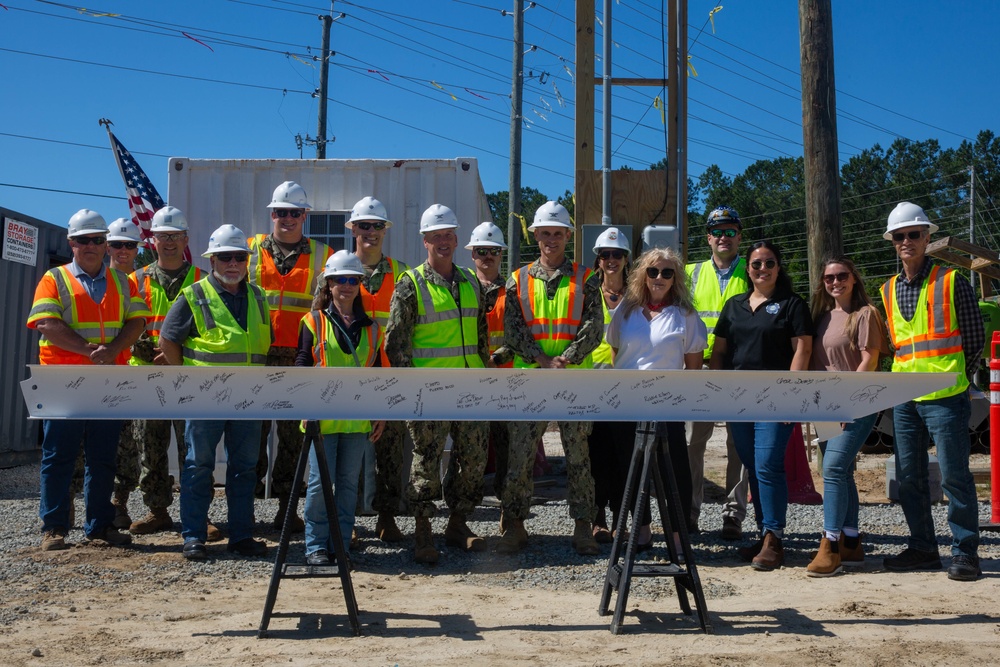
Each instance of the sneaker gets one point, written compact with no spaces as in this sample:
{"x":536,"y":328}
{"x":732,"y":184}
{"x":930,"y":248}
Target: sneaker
{"x":195,"y":550}
{"x":602,"y":535}
{"x":732,"y":529}
{"x":964,"y":568}
{"x":111,"y":537}
{"x":54,"y":540}
{"x":913,"y":559}
{"x":318,"y":557}
{"x":248,"y":547}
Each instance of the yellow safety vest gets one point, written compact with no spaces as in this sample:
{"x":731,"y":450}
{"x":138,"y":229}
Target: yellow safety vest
{"x":553,"y":322}
{"x":708,"y":298}
{"x":156,"y":299}
{"x":604,"y":356}
{"x":221,"y":341}
{"x":446,"y":334}
{"x":931,"y":342}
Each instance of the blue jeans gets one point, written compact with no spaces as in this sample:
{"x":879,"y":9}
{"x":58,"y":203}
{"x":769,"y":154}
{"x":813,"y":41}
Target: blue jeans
{"x":242,"y":446}
{"x":344,"y":453}
{"x":946,"y":421}
{"x":840,"y":493}
{"x":761,"y":447}
{"x":368,"y":462}
{"x":60,"y":447}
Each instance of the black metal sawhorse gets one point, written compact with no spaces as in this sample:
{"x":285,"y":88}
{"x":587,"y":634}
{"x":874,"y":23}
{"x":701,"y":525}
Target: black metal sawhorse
{"x":282,"y":570}
{"x":644,"y":469}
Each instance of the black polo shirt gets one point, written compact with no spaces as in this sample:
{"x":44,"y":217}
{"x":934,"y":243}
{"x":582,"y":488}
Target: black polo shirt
{"x":761,"y":340}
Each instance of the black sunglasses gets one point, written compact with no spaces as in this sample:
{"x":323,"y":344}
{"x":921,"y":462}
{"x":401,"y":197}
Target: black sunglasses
{"x":719,"y":233}
{"x":831,"y":278}
{"x":368,"y":226}
{"x":346,"y":280}
{"x":653,"y":272}
{"x":913,"y":235}
{"x":167,"y":238}
{"x":608,"y":254}
{"x":226,"y":257}
{"x":88,"y":240}
{"x":757,"y":264}
{"x":118,"y":245}
{"x":492,"y":252}
{"x":289,"y":212}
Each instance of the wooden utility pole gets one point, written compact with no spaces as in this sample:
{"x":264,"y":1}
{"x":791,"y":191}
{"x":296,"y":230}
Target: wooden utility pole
{"x":819,"y":134}
{"x":324,"y":75}
{"x":514,"y":180}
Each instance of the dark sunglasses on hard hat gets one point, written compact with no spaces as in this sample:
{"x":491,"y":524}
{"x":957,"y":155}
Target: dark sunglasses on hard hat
{"x":226,"y":257}
{"x":118,"y":245}
{"x":719,"y":233}
{"x":492,"y":252}
{"x":87,"y":240}
{"x":368,"y":226}
{"x":289,"y":212}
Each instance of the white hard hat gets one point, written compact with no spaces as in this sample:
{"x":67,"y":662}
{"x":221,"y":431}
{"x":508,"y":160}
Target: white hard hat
{"x":907,"y":215}
{"x":169,"y":219}
{"x":343,"y":263}
{"x":227,"y":238}
{"x":368,"y":208}
{"x":611,"y":238}
{"x":86,"y":222}
{"x":486,"y":234}
{"x":437,"y":216}
{"x":289,"y":195}
{"x":123,"y":229}
{"x":551,"y":214}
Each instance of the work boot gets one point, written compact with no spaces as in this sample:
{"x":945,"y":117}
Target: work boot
{"x":110,"y":537}
{"x":297,"y":525}
{"x":826,"y":563}
{"x":122,"y":520}
{"x":423,"y":549}
{"x":583,"y":539}
{"x":154,"y":522}
{"x":212,"y":533}
{"x":386,"y":528}
{"x":852,"y":554}
{"x":54,"y":540}
{"x":771,"y":556}
{"x":747,"y":554}
{"x":514,"y":538}
{"x":458,"y":534}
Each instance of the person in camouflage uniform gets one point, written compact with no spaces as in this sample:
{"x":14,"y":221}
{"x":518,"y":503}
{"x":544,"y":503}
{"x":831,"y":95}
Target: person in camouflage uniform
{"x":419,"y":336}
{"x":553,"y":278}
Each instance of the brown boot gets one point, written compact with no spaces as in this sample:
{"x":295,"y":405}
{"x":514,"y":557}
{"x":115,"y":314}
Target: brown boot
{"x":154,"y":522}
{"x":122,"y":520}
{"x":827,"y":560}
{"x":747,"y":554}
{"x":458,"y":534}
{"x":212,"y":533}
{"x":386,"y":528}
{"x":851,"y":556}
{"x":514,"y":538}
{"x":771,"y":556}
{"x":54,"y":540}
{"x":424,"y":550}
{"x":297,"y":525}
{"x":583,"y":539}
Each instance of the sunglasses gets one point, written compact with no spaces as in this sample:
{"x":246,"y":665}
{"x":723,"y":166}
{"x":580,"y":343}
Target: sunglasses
{"x":899,"y":237}
{"x":118,"y":245}
{"x":226,"y":257}
{"x":492,"y":252}
{"x":167,"y":238}
{"x":608,"y":254}
{"x":289,"y":212}
{"x":88,"y":240}
{"x":368,"y":226}
{"x":652,"y":272}
{"x":346,"y":280}
{"x":728,"y":233}
{"x":758,"y":264}
{"x":831,"y":278}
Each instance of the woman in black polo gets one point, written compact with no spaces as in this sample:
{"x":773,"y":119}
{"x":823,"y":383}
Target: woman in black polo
{"x":767,"y":328}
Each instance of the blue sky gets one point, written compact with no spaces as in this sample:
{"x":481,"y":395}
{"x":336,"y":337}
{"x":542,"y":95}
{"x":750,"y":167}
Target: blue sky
{"x":238,"y":84}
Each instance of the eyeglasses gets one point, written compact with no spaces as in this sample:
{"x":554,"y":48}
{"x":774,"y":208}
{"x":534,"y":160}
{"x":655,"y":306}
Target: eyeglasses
{"x":118,"y":245}
{"x":226,"y":257}
{"x":88,"y":240}
{"x":758,"y":264}
{"x":346,"y":280}
{"x":728,"y":233}
{"x":168,"y":238}
{"x":289,"y":212}
{"x":831,"y":278}
{"x":652,"y":272}
{"x":608,"y":254}
{"x":913,"y":235}
{"x":491,"y":252}
{"x":368,"y":226}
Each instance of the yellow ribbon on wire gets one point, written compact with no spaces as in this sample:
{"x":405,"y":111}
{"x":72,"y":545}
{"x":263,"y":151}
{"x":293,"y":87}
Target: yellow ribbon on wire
{"x":711,"y":17}
{"x":524,"y":226}
{"x":691,"y":70}
{"x":658,"y":104}
{"x":295,"y":57}
{"x":440,"y":87}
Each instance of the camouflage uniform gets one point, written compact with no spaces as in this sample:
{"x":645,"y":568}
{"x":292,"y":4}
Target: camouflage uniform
{"x":499,"y":431}
{"x":464,"y":480}
{"x":518,"y":485}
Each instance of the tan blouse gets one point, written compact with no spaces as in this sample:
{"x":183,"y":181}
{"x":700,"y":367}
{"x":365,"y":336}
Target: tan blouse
{"x":831,"y":347}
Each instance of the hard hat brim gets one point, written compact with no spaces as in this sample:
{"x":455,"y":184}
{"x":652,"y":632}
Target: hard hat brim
{"x":225,"y":248}
{"x":931,"y":228}
{"x":372,"y":218}
{"x":485,"y":244}
{"x":342,"y":272}
{"x":167,"y":228}
{"x":87,"y":232}
{"x":285,"y":204}
{"x":715,"y":223}
{"x":115,"y":237}
{"x":435,"y":228}
{"x":539,"y":225}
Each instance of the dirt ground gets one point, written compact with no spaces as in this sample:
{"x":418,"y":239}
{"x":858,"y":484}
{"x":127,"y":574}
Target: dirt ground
{"x":866,"y":617}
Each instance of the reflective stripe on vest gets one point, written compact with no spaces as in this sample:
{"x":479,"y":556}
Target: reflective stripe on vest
{"x":604,"y":356}
{"x":446,"y":334}
{"x":552,"y":322}
{"x":290,"y":296}
{"x":708,"y":298}
{"x":931,"y":342}
{"x":155,"y":296}
{"x":494,"y":322}
{"x":221,"y":341}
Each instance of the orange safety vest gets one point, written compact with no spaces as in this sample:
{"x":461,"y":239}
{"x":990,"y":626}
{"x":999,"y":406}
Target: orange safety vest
{"x":494,"y":320}
{"x":553,"y":322}
{"x":289,"y":296}
{"x":155,"y":297}
{"x":377,"y":304}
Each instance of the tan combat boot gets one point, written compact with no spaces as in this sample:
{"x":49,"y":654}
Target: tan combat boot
{"x":297,"y":525}
{"x":583,"y":539}
{"x":212,"y":533}
{"x":122,"y":520}
{"x":424,"y":550}
{"x":386,"y":528}
{"x":514,"y":537}
{"x":154,"y":522}
{"x":458,"y":534}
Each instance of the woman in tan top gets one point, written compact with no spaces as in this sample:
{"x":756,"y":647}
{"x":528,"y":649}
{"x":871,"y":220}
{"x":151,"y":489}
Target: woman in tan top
{"x":850,"y":336}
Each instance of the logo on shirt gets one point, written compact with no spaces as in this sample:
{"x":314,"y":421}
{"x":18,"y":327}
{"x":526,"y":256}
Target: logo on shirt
{"x":772,"y":308}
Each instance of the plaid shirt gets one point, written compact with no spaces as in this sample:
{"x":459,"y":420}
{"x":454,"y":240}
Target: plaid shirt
{"x":970,"y":321}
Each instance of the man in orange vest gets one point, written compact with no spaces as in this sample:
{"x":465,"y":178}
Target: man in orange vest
{"x":285,"y":265}
{"x":87,"y":314}
{"x":368,"y":223}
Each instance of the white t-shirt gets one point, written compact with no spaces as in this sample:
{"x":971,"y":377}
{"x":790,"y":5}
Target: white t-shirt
{"x":660,"y":343}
